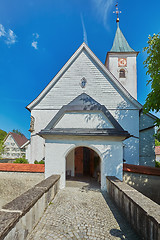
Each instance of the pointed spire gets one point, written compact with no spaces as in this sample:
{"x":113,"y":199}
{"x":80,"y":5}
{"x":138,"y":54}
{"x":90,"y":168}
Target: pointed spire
{"x":120,"y":44}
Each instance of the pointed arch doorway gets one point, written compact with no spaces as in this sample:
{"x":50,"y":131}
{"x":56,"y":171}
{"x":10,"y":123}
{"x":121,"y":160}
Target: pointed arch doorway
{"x":83,"y":161}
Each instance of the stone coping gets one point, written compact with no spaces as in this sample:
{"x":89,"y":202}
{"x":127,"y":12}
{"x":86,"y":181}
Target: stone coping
{"x":142,"y":205}
{"x":14,"y":210}
{"x":146,"y":204}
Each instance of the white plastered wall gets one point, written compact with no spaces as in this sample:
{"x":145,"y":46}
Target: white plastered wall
{"x":99,"y":87}
{"x":42,"y":118}
{"x":70,"y":162}
{"x":109,"y":150}
{"x":129,"y":120}
{"x":130,"y":82}
{"x":84,"y":120}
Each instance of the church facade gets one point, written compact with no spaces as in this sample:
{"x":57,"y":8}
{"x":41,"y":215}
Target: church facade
{"x":87,"y":121}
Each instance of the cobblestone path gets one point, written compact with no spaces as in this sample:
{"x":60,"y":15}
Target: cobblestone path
{"x":80,"y":211}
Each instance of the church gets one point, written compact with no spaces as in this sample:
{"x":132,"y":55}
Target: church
{"x":87,"y":121}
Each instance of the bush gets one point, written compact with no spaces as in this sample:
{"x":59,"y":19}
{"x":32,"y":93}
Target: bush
{"x":157,"y":164}
{"x":21,"y":160}
{"x":40,"y":162}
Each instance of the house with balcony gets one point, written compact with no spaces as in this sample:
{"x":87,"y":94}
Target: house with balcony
{"x":15,"y":146}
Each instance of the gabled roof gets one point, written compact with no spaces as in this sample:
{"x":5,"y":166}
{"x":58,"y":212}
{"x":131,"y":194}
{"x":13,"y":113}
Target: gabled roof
{"x":120,"y":43}
{"x":20,"y":139}
{"x":83,"y":47}
{"x":84,"y":103}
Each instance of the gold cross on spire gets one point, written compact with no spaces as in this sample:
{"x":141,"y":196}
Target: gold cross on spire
{"x":117,"y":12}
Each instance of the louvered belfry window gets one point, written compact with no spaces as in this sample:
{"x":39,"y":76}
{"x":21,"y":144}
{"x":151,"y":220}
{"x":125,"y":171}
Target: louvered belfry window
{"x":122,"y":73}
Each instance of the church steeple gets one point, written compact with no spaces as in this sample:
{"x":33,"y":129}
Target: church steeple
{"x":120,"y":43}
{"x":121,"y":60}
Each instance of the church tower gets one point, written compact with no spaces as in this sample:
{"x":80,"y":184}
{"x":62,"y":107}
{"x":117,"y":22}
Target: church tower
{"x":121,"y":62}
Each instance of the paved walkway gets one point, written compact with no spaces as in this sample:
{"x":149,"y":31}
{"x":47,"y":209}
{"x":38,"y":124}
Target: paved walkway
{"x":80,"y":211}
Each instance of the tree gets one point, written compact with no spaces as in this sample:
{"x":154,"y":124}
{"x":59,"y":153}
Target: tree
{"x":16,"y":131}
{"x":3,"y":134}
{"x":152,"y":63}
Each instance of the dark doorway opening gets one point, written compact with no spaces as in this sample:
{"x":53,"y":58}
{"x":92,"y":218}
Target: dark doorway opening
{"x":87,"y":163}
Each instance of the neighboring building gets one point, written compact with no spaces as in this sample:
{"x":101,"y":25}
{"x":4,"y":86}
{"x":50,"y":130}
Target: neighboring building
{"x":87,"y":120}
{"x":157,"y":152}
{"x":15,"y":146}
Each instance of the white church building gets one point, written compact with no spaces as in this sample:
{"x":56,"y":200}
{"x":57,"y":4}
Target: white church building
{"x":87,"y":121}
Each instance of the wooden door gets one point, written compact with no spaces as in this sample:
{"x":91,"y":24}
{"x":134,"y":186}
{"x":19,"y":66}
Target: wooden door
{"x":79,"y":161}
{"x":91,"y":162}
{"x":86,"y":161}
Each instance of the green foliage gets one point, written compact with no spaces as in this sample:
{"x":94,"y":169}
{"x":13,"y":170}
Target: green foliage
{"x":157,"y":138}
{"x":16,"y":131}
{"x":152,"y":63}
{"x":40,"y":162}
{"x":157,"y":164}
{"x":2,"y":148}
{"x":3,"y":134}
{"x":157,"y":143}
{"x":21,"y":160}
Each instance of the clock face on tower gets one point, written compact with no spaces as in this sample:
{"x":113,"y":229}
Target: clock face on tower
{"x":122,"y":62}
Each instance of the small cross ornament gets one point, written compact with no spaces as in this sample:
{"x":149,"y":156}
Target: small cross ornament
{"x":117,"y":12}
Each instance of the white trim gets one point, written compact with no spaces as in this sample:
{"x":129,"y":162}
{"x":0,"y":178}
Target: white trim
{"x":66,"y":66}
{"x":25,"y":144}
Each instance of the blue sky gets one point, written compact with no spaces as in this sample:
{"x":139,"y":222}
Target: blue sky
{"x":37,"y":37}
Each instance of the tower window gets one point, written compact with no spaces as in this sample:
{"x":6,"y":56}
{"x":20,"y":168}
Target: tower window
{"x":122,"y":73}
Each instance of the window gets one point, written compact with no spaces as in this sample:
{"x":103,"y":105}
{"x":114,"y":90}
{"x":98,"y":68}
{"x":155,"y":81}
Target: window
{"x":122,"y":73}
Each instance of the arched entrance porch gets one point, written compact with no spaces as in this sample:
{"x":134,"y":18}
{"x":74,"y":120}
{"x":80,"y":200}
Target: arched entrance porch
{"x":83,"y":161}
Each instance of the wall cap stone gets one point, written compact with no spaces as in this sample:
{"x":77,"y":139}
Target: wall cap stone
{"x":149,"y":207}
{"x":14,"y":210}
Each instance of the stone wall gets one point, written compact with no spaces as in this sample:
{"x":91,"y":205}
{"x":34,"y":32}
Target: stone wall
{"x":140,"y":211}
{"x":19,"y":217}
{"x":144,"y":179}
{"x":148,"y":185}
{"x":13,"y":184}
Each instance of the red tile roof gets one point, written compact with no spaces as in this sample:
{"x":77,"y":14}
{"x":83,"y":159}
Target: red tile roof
{"x":20,"y":167}
{"x":157,"y":150}
{"x":19,"y":138}
{"x":141,"y":169}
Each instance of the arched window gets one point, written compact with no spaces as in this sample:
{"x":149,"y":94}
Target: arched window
{"x":122,"y":73}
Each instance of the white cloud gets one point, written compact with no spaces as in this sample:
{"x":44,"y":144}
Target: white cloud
{"x":36,"y":35}
{"x":84,"y":31}
{"x":9,"y":36}
{"x":34,"y":43}
{"x":2,"y":31}
{"x":102,"y":8}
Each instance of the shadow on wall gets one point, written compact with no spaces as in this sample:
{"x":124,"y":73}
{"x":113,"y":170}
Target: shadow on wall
{"x":146,"y":184}
{"x":113,"y":160}
{"x":147,"y":148}
{"x":126,"y":119}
